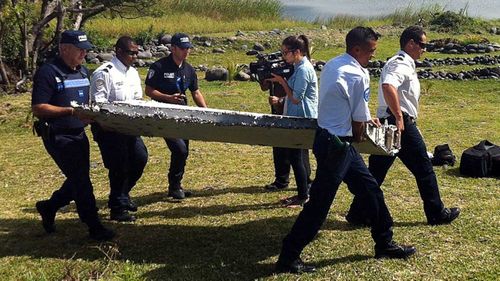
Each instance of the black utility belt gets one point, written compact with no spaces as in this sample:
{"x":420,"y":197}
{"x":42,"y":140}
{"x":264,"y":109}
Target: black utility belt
{"x":44,"y":129}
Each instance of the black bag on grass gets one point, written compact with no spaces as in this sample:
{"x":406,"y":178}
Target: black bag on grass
{"x":443,"y":156}
{"x":481,"y":160}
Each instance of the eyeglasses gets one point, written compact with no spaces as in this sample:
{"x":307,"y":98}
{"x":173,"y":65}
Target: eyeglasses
{"x":285,"y":52}
{"x":131,"y":53}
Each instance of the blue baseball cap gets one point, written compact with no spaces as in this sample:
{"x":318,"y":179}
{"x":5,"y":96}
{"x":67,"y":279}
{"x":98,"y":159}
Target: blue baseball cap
{"x":77,"y":38}
{"x":181,"y":40}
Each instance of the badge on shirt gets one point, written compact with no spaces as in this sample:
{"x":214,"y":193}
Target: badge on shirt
{"x":366,"y":94}
{"x":151,"y":73}
{"x":169,"y":75}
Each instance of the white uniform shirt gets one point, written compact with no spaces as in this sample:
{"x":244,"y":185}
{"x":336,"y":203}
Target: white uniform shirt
{"x":400,"y":72}
{"x":344,"y":92}
{"x":112,"y":81}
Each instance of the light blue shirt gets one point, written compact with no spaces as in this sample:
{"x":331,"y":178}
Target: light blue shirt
{"x":304,"y":85}
{"x":343,"y":95}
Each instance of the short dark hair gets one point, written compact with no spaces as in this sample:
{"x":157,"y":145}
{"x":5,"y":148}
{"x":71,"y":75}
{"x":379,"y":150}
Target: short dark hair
{"x":123,"y":42}
{"x":360,"y":36}
{"x":414,"y":32}
{"x":300,"y":42}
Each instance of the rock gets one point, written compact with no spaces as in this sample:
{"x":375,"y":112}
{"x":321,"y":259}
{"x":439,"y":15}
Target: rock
{"x":140,"y":63}
{"x":242,"y":76}
{"x":493,"y":30}
{"x":276,"y":31}
{"x":218,"y":51}
{"x":490,"y":49}
{"x":162,"y":48}
{"x":216,"y":74}
{"x":252,"y":53}
{"x":145,"y":55}
{"x":166,"y":39}
{"x":240,"y":33}
{"x":105,"y":56}
{"x":94,"y":61}
{"x":207,"y":44}
{"x":258,"y":47}
{"x":267,"y":45}
{"x":244,"y":47}
{"x":232,"y":39}
{"x":91,"y":55}
{"x":323,"y":27}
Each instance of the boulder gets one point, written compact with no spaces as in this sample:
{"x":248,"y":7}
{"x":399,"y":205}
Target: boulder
{"x":166,"y":39}
{"x":216,"y":74}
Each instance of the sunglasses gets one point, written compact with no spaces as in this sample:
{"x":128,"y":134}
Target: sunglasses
{"x":131,"y":53}
{"x":422,"y":45}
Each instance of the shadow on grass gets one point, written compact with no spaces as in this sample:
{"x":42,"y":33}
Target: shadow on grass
{"x":235,"y":252}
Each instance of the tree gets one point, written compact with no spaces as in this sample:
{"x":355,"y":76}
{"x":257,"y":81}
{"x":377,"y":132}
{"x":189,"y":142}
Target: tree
{"x":40,"y":23}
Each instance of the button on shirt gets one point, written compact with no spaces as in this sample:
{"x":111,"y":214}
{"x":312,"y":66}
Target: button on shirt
{"x":400,"y":72}
{"x":304,"y":85}
{"x":343,"y":95}
{"x":113,"y":81}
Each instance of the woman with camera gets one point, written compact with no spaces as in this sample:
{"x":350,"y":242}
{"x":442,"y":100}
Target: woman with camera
{"x":301,"y":100}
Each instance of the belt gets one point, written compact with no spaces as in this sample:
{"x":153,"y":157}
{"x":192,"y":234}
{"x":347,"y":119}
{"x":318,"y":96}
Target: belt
{"x":344,"y":138}
{"x":67,"y":131}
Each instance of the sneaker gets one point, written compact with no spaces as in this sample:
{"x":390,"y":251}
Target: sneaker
{"x":294,"y":202}
{"x":121,"y":215}
{"x":179,"y":193}
{"x":48,"y":215}
{"x":131,"y":206}
{"x":447,"y":216}
{"x":275,"y":186}
{"x":101,"y":233}
{"x":394,"y":251}
{"x":297,"y":266}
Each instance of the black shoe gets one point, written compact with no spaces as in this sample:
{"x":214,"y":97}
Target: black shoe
{"x":131,"y":206}
{"x":447,"y":216}
{"x":101,"y":233}
{"x":275,"y":186}
{"x":394,"y":251}
{"x":297,"y":266}
{"x":179,"y":193}
{"x":48,"y":215}
{"x":121,"y":215}
{"x":357,"y":220}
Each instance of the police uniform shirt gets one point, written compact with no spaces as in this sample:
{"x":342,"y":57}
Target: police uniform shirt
{"x":113,"y":81}
{"x":400,"y":72}
{"x":343,"y":95}
{"x":50,"y":87}
{"x":167,"y":77}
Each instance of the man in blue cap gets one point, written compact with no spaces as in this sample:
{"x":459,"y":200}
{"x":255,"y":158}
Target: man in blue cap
{"x":167,"y":81}
{"x":55,"y":85}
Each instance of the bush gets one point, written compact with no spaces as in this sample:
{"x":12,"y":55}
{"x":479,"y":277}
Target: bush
{"x":450,"y":21}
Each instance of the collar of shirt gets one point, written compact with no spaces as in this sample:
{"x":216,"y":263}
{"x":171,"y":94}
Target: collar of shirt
{"x":64,"y":67}
{"x":407,"y":58}
{"x":354,"y":62}
{"x":301,"y":62}
{"x":170,"y":60}
{"x":119,"y":65}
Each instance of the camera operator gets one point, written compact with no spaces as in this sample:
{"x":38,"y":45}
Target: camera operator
{"x":280,"y":157}
{"x":301,"y":100}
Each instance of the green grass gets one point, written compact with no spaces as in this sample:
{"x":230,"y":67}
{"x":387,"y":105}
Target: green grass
{"x":231,"y":229}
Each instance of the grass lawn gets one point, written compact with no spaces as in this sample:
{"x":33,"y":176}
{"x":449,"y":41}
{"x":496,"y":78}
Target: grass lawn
{"x":231,"y":229}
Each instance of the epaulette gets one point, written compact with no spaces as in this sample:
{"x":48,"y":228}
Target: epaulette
{"x":108,"y":66}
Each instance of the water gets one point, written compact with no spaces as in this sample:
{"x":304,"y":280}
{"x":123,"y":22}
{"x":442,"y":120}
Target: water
{"x":311,"y":9}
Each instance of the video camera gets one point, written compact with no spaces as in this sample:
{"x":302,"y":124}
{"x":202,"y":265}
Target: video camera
{"x":268,"y":64}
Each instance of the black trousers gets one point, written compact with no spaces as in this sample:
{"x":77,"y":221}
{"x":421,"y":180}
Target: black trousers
{"x":125,"y":158}
{"x":179,"y":149}
{"x":414,"y":156}
{"x":70,"y":151}
{"x":281,"y":159}
{"x":336,"y":164}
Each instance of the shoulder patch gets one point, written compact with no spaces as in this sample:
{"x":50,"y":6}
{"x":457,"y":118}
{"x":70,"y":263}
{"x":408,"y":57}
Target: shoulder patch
{"x":366,"y":94}
{"x":151,"y":73}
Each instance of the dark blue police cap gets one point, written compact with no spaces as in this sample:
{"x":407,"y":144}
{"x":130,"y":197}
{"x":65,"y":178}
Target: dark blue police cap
{"x":77,"y":38}
{"x":181,"y":40}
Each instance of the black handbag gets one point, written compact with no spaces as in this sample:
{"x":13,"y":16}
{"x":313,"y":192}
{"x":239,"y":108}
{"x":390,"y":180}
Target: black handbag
{"x":481,"y":160}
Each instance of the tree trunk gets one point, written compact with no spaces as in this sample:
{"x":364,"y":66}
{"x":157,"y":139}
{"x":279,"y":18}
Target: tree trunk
{"x":3,"y":72}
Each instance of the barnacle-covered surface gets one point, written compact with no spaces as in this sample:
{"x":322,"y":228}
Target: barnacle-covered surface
{"x":154,"y":119}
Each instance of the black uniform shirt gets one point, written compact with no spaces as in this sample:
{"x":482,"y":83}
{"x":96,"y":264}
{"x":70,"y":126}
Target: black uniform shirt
{"x":50,"y":87}
{"x":167,"y":77}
